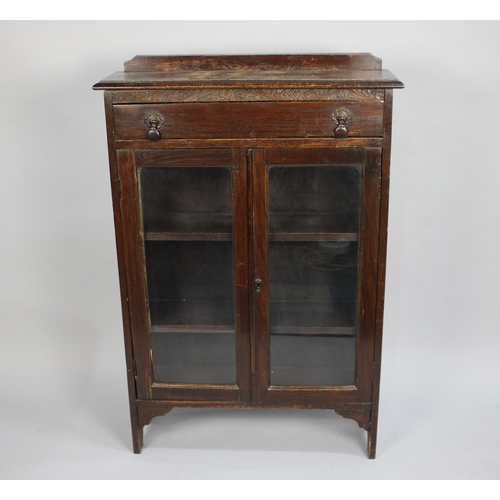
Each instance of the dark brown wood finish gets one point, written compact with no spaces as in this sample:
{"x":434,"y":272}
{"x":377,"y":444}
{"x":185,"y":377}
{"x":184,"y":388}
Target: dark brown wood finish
{"x":137,"y":429}
{"x":370,"y":159}
{"x":260,"y":297}
{"x":241,"y":270}
{"x":129,"y":162}
{"x":246,"y":62}
{"x":368,"y":270}
{"x":136,"y":279}
{"x":247,"y":113}
{"x":382,"y":245}
{"x":184,"y":158}
{"x":251,"y":78}
{"x":370,"y":142}
{"x":249,"y":120}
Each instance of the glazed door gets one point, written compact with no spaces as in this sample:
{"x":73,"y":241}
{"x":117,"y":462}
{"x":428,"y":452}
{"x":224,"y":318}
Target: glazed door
{"x":186,"y":245}
{"x":315,"y":233}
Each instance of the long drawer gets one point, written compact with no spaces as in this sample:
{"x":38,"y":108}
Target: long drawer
{"x":248,"y":120}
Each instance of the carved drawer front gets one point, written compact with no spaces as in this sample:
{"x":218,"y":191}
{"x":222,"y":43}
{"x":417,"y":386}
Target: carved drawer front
{"x":154,"y":122}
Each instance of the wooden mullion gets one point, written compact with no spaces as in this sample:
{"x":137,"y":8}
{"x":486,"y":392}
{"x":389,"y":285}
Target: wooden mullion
{"x":261,"y":272}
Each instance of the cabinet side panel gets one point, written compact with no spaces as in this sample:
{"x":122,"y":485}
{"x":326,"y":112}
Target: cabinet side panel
{"x":116,"y":195}
{"x":382,"y":252}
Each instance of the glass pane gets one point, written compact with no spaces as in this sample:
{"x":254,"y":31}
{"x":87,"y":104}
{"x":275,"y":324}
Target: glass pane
{"x":314,"y":215}
{"x":187,"y":221}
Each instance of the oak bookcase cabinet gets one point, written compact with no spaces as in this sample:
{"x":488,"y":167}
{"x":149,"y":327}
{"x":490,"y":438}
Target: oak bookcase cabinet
{"x":250,"y":197}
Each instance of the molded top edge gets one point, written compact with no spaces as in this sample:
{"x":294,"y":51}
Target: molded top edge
{"x":290,"y":62}
{"x":200,"y":79}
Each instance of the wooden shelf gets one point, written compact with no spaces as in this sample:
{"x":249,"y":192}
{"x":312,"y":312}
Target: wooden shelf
{"x":287,"y":318}
{"x":192,"y":329}
{"x":275,"y":330}
{"x":189,"y":227}
{"x":314,"y":330}
{"x":283,"y":227}
{"x":185,"y":236}
{"x":213,"y":236}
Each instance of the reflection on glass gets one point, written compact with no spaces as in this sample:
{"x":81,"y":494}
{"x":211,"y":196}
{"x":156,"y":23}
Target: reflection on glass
{"x":187,"y":221}
{"x":314,"y":215}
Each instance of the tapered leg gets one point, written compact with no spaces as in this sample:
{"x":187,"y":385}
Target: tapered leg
{"x":137,"y":438}
{"x":372,"y":441}
{"x":137,"y":428}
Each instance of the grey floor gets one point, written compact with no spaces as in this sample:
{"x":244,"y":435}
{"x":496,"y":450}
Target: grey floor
{"x":65,"y":416}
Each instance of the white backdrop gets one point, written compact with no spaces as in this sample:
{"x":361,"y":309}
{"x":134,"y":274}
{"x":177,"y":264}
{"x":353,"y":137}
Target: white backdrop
{"x":63,"y":392}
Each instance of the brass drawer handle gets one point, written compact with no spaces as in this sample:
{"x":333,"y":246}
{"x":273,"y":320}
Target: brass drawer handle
{"x":154,"y":121}
{"x":341,"y":117}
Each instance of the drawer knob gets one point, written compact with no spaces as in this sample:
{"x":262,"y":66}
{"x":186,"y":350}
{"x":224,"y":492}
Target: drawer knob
{"x":154,"y":121}
{"x":341,"y":117}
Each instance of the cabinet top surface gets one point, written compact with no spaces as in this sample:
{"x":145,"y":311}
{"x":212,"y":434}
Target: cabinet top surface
{"x":283,"y":71}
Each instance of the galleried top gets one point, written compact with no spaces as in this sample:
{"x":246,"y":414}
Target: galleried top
{"x":255,"y":71}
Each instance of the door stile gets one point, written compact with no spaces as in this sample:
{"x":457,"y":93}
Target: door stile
{"x":250,"y":275}
{"x":367,"y":289}
{"x":136,"y":282}
{"x":241,"y":272}
{"x":260,"y":278}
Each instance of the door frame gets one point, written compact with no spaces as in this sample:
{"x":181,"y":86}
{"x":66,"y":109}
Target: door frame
{"x":128,"y":163}
{"x":262,"y":159}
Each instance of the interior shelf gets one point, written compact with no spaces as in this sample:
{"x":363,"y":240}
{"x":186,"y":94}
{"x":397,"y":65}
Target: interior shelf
{"x":217,"y":316}
{"x":275,"y":330}
{"x":192,"y":329}
{"x":189,"y":227}
{"x":313,"y":226}
{"x":283,"y":227}
{"x":339,"y":331}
